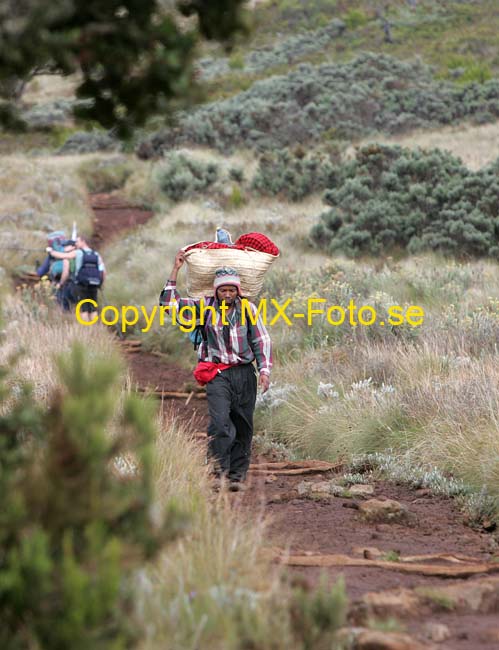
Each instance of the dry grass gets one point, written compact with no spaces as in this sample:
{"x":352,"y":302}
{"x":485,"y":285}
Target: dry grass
{"x":476,"y":146}
{"x":37,"y":196}
{"x":46,"y":88}
{"x":40,"y":333}
{"x":196,"y":593}
{"x":430,"y":393}
{"x":439,"y":409}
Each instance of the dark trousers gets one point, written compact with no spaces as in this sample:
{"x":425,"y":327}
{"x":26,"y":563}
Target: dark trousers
{"x":64,"y":296}
{"x":231,"y":403}
{"x":80,"y":292}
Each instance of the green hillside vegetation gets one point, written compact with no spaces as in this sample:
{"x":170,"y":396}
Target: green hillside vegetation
{"x":372,"y":93}
{"x":293,"y":174}
{"x":434,"y":30}
{"x":458,"y":38}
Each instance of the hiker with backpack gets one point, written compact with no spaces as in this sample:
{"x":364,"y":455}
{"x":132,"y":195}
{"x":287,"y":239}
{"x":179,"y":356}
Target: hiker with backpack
{"x":229,"y":346}
{"x":52,"y":267}
{"x":58,"y":270}
{"x":88,"y":276}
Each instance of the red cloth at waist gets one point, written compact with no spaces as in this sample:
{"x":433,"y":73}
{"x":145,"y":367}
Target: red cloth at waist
{"x":205,"y":371}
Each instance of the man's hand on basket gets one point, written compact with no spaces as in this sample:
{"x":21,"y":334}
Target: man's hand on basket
{"x":264,"y":382}
{"x":179,"y":260}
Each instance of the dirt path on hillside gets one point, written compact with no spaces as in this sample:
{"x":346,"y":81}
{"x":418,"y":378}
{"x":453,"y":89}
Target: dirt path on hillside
{"x":323,"y":524}
{"x":156,"y":373}
{"x":113,"y":216}
{"x":152,"y":372}
{"x":313,"y":519}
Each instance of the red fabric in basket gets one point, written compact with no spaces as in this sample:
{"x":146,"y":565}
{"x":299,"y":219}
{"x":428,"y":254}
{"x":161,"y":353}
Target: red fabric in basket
{"x":208,"y":244}
{"x":256,"y":240}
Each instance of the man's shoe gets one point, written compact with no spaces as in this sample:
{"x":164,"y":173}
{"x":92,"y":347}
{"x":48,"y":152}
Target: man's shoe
{"x":220,"y":482}
{"x":217,"y":483}
{"x":237,"y":486}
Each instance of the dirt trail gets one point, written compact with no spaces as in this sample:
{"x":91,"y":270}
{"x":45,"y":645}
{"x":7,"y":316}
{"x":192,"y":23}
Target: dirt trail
{"x":113,"y":216}
{"x":157,"y":373}
{"x":326,"y":524}
{"x":304,"y":521}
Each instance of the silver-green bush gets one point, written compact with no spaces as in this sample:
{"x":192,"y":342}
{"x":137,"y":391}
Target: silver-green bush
{"x":395,"y":199}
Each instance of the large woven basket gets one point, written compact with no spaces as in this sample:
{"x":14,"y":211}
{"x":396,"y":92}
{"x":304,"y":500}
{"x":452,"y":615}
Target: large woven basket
{"x":202,"y":263}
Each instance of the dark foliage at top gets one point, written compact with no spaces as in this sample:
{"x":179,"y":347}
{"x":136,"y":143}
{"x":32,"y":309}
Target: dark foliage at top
{"x":371,"y":93}
{"x":134,"y":57}
{"x":394,"y":199}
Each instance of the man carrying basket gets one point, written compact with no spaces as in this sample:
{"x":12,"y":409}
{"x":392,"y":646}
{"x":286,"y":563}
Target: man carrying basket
{"x":230,"y":344}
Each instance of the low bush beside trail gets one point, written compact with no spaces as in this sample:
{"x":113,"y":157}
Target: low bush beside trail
{"x":391,"y":199}
{"x":106,"y":174}
{"x":180,"y":177}
{"x":293,"y":174}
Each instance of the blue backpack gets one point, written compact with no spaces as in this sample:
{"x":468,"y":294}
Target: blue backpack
{"x":198,"y":334}
{"x":55,"y":271}
{"x":89,"y":274}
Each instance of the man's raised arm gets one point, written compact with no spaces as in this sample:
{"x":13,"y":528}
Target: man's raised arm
{"x":169,"y":296}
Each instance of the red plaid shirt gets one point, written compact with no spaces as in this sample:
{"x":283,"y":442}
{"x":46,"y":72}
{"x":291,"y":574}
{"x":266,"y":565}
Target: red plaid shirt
{"x":234,"y":344}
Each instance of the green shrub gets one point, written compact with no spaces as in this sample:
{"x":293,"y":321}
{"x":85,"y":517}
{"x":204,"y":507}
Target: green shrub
{"x":456,"y":61}
{"x":236,"y":62}
{"x":236,"y":174}
{"x":475,"y":73}
{"x":74,"y":527}
{"x":93,"y":141}
{"x":466,"y":70}
{"x":180,"y":177}
{"x":237,"y":197}
{"x":317,"y":616}
{"x":355,"y":18}
{"x":395,"y":199}
{"x":293,"y":175}
{"x":105,"y":175}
